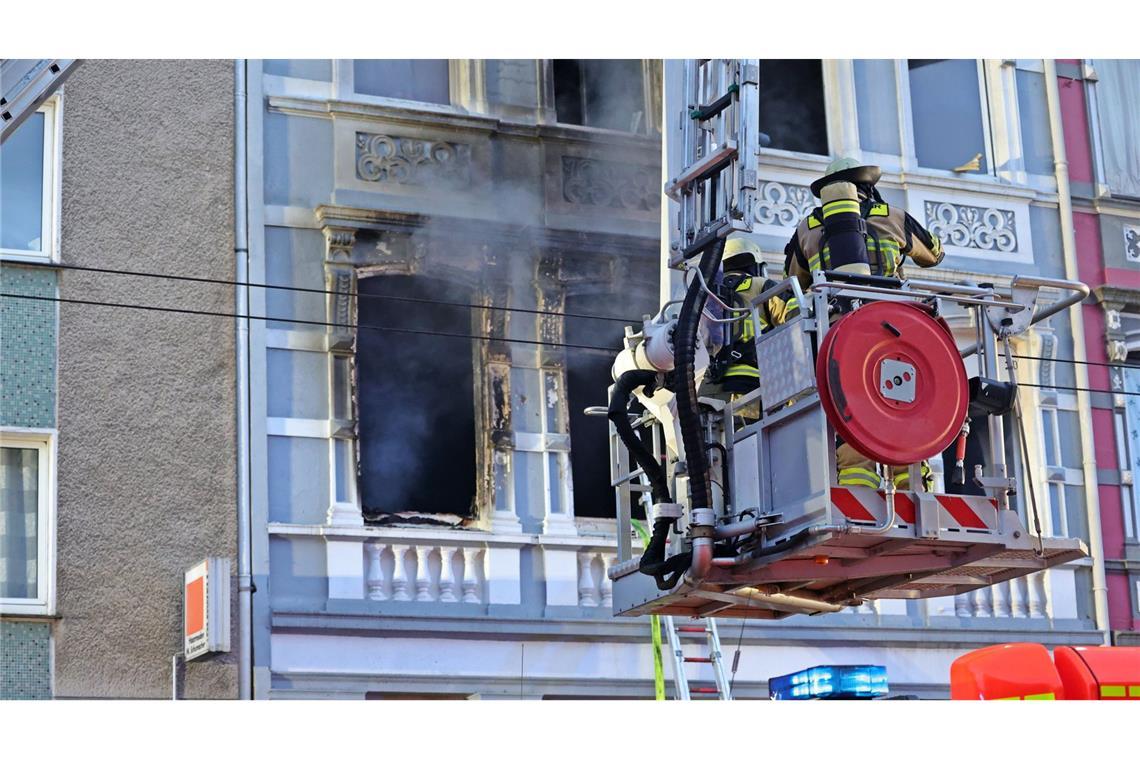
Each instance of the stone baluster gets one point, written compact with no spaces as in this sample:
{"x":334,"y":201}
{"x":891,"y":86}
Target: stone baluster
{"x":374,"y":580}
{"x":423,"y":573}
{"x":1017,"y":603}
{"x":981,"y":603}
{"x":1038,"y":601}
{"x":400,"y":574}
{"x":999,"y":592}
{"x":962,"y":606}
{"x":607,"y":586}
{"x":447,"y":579}
{"x":587,"y":592}
{"x":470,"y":575}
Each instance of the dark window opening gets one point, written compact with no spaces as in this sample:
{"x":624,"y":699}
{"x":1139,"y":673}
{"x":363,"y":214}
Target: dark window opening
{"x":426,"y":80}
{"x":792,"y":111}
{"x":588,"y":376}
{"x":416,"y":399}
{"x":608,"y":94}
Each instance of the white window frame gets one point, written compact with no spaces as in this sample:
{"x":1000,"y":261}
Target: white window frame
{"x":465,"y":81}
{"x":44,"y":440}
{"x":1129,"y":504}
{"x":52,"y":109}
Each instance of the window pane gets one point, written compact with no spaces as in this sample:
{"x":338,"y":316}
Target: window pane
{"x":19,"y":516}
{"x":1057,"y":509}
{"x":946,"y":110}
{"x":1048,"y":427}
{"x":22,"y":187}
{"x":1033,"y":112}
{"x":792,"y":110}
{"x":877,"y":105}
{"x":416,"y":398}
{"x":425,"y":80}
{"x":1118,"y":102}
{"x":608,"y":94}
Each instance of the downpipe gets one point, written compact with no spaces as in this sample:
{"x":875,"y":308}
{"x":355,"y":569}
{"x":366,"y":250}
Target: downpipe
{"x":241,"y":349}
{"x":1076,"y":322}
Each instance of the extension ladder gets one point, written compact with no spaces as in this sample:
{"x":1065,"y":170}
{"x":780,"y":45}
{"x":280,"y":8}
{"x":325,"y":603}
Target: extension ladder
{"x":27,"y":84}
{"x":705,"y":628}
{"x":720,"y":139}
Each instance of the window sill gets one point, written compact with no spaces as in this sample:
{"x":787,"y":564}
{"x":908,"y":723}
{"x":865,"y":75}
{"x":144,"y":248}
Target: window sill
{"x":40,"y":612}
{"x":15,"y":257}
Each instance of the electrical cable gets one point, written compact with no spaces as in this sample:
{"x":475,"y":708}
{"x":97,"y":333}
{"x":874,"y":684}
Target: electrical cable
{"x":298,"y":289}
{"x":406,"y":330}
{"x":1110,"y":365}
{"x":1080,"y":390}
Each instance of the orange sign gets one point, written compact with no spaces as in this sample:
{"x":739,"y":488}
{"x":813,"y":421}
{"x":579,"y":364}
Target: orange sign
{"x":206,"y":608}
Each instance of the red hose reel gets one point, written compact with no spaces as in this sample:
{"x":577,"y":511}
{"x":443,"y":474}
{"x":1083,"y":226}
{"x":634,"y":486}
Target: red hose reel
{"x":892,"y":382}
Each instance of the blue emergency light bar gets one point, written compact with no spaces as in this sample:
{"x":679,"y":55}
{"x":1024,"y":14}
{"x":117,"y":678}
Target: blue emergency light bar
{"x":831,"y":682}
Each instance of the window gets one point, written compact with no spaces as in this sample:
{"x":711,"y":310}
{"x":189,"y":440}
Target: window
{"x":1128,"y":450}
{"x":946,"y":111}
{"x":608,"y":94}
{"x":792,"y":111}
{"x":416,"y":398}
{"x":27,"y":187}
{"x":27,"y":493}
{"x":588,"y":375}
{"x":424,"y":80}
{"x":1118,"y":101}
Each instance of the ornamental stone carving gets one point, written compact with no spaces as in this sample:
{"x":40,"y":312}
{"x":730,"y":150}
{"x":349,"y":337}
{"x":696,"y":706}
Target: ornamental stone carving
{"x":610,"y":184}
{"x":985,"y":229}
{"x":1132,"y":243}
{"x":782,"y":204}
{"x":411,"y":161}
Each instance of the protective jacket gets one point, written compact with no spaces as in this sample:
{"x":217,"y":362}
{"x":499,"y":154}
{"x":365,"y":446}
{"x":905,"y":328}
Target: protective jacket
{"x":891,"y":235}
{"x":739,"y":357}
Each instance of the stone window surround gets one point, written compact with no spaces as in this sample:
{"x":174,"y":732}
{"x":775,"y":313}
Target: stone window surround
{"x":1003,"y":138}
{"x":52,"y":186}
{"x":45,"y":441}
{"x":467,"y":82}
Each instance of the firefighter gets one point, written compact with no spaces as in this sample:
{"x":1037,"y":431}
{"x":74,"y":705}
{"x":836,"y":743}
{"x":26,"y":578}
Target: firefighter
{"x":744,"y":278}
{"x":855,"y":231}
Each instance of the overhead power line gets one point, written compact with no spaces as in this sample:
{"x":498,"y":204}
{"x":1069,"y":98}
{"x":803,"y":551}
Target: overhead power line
{"x":1078,"y":361}
{"x":406,"y":330}
{"x":1080,"y":390}
{"x":320,"y":291}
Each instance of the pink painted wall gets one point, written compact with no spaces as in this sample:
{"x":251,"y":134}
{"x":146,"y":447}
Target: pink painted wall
{"x":1075,"y":120}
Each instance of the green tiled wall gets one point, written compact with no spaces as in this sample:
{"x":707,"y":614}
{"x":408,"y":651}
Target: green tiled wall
{"x":27,"y":348}
{"x":25,"y":660}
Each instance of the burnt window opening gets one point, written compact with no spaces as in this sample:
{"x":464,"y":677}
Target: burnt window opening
{"x":608,"y":94}
{"x":792,"y":110}
{"x":415,"y":398}
{"x":588,"y":376}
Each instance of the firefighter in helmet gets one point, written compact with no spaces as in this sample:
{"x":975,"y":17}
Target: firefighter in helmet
{"x":855,"y":231}
{"x":744,"y":278}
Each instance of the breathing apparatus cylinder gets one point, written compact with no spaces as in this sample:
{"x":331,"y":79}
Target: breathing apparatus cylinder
{"x":845,"y":228}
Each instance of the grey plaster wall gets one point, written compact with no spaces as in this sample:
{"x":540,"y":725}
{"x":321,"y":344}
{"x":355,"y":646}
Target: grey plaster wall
{"x":146,"y":400}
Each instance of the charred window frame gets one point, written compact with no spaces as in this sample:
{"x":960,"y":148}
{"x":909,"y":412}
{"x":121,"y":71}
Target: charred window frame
{"x":416,"y":398}
{"x":588,"y":375}
{"x":793,"y":106}
{"x":605,"y":94}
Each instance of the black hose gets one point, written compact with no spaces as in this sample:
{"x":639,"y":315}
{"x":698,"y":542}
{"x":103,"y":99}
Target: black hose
{"x":685,"y":381}
{"x":618,"y":414}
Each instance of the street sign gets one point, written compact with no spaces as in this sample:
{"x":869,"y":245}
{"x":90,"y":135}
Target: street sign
{"x":206,"y":608}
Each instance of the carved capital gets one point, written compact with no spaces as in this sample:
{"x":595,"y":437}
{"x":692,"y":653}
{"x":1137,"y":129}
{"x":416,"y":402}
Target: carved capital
{"x":339,"y":242}
{"x":1117,"y":350}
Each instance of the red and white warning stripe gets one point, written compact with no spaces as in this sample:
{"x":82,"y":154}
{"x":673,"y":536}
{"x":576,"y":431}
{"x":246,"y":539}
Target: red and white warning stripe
{"x":862,"y":504}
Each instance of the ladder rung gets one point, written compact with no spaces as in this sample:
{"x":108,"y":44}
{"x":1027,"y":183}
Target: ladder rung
{"x":692,"y":629}
{"x":698,"y":659}
{"x":702,"y":169}
{"x":703,"y":690}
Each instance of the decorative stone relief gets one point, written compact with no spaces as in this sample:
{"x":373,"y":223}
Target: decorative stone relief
{"x":610,"y":184}
{"x":1117,"y":350}
{"x":1132,"y":243}
{"x":985,"y":229}
{"x":782,"y":205}
{"x":411,"y":161}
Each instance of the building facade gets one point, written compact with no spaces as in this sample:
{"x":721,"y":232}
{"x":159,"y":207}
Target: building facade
{"x":1099,"y":102}
{"x":118,"y":424}
{"x":469,"y":560}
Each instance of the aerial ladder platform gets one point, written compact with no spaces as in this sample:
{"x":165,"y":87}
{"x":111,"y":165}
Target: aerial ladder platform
{"x":749,"y":520}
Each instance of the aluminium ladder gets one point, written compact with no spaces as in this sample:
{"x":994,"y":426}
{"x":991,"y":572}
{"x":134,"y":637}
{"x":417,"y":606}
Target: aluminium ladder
{"x":26,"y":84}
{"x":720,"y":138}
{"x":706,"y":628}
